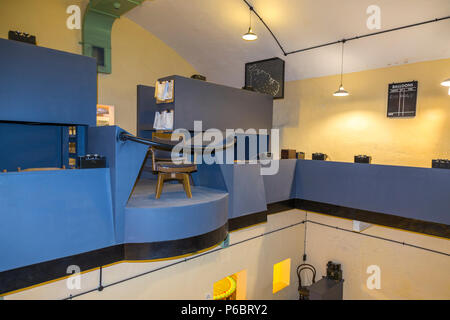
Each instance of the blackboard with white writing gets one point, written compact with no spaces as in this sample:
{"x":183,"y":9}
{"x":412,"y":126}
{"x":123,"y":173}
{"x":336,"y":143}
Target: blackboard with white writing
{"x":266,"y":76}
{"x":402,"y":99}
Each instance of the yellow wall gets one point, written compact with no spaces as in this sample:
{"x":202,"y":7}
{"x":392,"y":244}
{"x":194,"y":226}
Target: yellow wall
{"x":312,"y":120}
{"x":138,"y":57}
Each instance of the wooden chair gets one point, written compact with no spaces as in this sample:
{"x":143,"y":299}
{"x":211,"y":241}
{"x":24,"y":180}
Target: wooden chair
{"x":166,"y":169}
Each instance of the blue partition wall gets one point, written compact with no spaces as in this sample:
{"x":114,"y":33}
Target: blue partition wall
{"x":281,"y":186}
{"x":42,"y":85}
{"x":415,"y":193}
{"x":43,"y":91}
{"x":55,"y":214}
{"x":125,"y":160}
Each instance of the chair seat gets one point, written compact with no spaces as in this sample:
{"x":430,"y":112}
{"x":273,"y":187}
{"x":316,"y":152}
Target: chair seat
{"x":170,"y":167}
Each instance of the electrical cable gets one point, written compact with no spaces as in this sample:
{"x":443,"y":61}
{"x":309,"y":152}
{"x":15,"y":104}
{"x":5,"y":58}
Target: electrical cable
{"x":285,"y":53}
{"x":304,"y":241}
{"x":342,"y":63}
{"x":183,"y":260}
{"x":380,"y":238}
{"x":267,"y":27}
{"x":368,"y":35}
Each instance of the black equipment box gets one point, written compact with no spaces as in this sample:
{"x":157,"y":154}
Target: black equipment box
{"x":334,"y":271}
{"x":288,"y":154}
{"x":22,"y":37}
{"x":441,"y":164}
{"x":327,"y":289}
{"x":91,"y":161}
{"x":198,"y":77}
{"x":363,"y":159}
{"x":319,"y":156}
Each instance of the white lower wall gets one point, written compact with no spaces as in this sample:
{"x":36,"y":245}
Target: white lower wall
{"x":406,"y":272}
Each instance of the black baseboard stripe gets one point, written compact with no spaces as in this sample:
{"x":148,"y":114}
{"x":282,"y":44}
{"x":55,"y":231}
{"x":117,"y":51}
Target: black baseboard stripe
{"x":280,"y":206}
{"x":174,"y":248}
{"x":382,"y":219}
{"x":247,"y":221}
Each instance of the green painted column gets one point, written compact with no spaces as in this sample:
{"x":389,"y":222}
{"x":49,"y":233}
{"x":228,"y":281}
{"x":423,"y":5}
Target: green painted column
{"x":97,"y":26}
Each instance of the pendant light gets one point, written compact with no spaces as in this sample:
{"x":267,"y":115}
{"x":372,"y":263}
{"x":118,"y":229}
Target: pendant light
{"x":446,"y":83}
{"x":250,"y":35}
{"x":341,"y":92}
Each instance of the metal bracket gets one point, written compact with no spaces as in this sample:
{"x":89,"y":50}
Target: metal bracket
{"x":226,"y":242}
{"x":359,"y":226}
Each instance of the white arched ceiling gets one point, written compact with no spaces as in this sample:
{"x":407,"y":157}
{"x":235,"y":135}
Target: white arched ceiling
{"x":207,"y":33}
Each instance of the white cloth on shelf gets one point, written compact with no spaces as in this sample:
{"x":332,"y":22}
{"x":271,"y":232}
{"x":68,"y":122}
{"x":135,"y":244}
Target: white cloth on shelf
{"x":164,"y":90}
{"x":163,"y":120}
{"x":169,"y":120}
{"x":157,"y":121}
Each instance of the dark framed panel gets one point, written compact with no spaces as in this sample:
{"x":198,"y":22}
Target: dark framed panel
{"x":266,"y":76}
{"x":402,"y":99}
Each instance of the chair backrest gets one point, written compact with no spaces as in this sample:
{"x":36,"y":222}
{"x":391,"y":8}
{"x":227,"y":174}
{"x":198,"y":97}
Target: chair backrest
{"x":160,"y":153}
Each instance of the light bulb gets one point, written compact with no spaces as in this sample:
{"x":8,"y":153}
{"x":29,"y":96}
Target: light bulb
{"x":341,"y":92}
{"x":250,"y":35}
{"x":446,"y":83}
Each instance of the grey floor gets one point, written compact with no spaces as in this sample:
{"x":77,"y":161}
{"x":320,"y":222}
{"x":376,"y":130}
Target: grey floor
{"x":173,"y":195}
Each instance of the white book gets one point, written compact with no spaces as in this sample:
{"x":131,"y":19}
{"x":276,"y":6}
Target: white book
{"x":157,"y":121}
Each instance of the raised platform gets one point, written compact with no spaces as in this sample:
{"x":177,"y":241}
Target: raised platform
{"x":173,"y":216}
{"x":173,"y":195}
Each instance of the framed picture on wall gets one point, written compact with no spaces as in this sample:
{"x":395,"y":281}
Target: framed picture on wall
{"x":402,"y":99}
{"x":266,"y":76}
{"x":105,"y":115}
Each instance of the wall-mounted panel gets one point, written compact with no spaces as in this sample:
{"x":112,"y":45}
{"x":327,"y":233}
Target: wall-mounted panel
{"x":218,"y":106}
{"x":30,"y":146}
{"x":44,"y":85}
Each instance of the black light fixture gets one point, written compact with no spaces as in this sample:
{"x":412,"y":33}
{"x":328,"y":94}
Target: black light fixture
{"x":341,"y":92}
{"x":250,"y":35}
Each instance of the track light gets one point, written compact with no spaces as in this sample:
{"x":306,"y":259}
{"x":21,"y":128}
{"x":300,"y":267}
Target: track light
{"x":446,"y":83}
{"x":250,"y":35}
{"x":341,"y":92}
